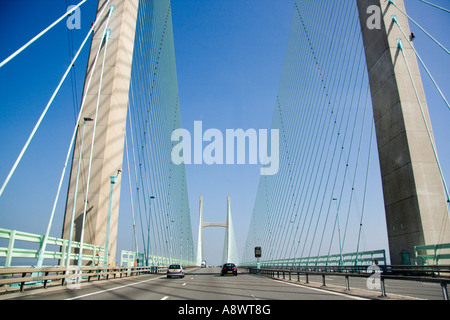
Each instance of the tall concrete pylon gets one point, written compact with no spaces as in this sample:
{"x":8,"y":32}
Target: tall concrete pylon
{"x":110,"y":127}
{"x":230,"y":248}
{"x":415,"y":202}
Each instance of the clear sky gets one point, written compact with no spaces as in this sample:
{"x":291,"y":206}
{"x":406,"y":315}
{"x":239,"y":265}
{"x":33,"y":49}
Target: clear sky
{"x":229,"y":59}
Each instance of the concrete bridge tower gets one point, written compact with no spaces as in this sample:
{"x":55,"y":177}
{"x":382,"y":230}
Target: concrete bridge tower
{"x":415,"y":201}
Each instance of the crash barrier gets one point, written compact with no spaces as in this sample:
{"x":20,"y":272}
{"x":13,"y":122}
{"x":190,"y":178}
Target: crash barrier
{"x":377,"y":274}
{"x":26,"y":276}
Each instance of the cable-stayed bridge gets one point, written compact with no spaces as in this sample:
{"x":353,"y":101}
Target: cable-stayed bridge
{"x":350,"y":105}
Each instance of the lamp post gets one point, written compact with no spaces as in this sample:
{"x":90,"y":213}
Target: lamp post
{"x":69,"y":246}
{"x":113,"y":182}
{"x":341,"y":262}
{"x":148,"y":231}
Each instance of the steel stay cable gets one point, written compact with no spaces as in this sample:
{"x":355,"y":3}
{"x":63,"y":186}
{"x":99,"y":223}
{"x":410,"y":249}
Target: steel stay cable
{"x":301,"y":115}
{"x":312,"y":142}
{"x":105,"y":38}
{"x":138,"y":200}
{"x":145,"y":154}
{"x":154,"y":127}
{"x":420,"y":27}
{"x":144,"y":126}
{"x":301,"y":140}
{"x":41,"y":118}
{"x":365,"y":189}
{"x":433,"y":146}
{"x":356,"y":162}
{"x":306,"y":136}
{"x":136,"y":177}
{"x":322,"y":137}
{"x":17,"y":52}
{"x":161,"y":170}
{"x":47,"y":233}
{"x":337,"y":166}
{"x":331,"y":196}
{"x":341,"y":192}
{"x":131,"y":195}
{"x":279,"y":179}
{"x":334,"y":113}
{"x":436,"y":6}
{"x":421,"y":61}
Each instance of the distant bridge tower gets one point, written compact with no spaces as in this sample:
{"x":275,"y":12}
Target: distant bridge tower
{"x":414,"y":194}
{"x":230,"y":249}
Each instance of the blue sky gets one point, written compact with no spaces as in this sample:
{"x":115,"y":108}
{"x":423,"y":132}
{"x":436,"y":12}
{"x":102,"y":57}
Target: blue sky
{"x":229,"y":57}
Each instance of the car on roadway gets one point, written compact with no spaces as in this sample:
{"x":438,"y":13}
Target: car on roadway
{"x":229,"y":268}
{"x":175,"y":270}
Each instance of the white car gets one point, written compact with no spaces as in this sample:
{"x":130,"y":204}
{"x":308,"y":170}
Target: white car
{"x":175,"y":270}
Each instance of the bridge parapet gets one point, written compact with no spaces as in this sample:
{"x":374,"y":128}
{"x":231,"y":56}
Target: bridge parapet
{"x":20,"y":246}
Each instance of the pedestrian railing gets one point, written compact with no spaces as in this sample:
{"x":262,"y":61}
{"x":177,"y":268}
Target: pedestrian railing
{"x":439,"y":252}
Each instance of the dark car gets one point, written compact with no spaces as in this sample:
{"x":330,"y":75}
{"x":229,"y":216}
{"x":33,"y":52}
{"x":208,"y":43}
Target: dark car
{"x":229,"y":268}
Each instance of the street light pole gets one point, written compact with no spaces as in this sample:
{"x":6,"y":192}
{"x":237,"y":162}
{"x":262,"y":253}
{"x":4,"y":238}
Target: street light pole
{"x":148,"y":231}
{"x":69,"y":246}
{"x":113,"y":182}
{"x":341,"y":262}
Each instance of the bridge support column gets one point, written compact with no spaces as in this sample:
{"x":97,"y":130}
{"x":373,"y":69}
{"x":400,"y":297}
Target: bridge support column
{"x":415,"y":201}
{"x":110,"y":128}
{"x":230,"y":250}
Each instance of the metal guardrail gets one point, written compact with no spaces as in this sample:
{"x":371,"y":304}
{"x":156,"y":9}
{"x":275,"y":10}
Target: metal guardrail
{"x":431,"y":274}
{"x":42,"y":276}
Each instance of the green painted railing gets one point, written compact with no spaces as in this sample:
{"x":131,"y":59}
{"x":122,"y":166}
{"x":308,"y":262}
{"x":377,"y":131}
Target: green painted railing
{"x":367,"y":257}
{"x":56,"y":249}
{"x":128,"y":258}
{"x":423,"y":256}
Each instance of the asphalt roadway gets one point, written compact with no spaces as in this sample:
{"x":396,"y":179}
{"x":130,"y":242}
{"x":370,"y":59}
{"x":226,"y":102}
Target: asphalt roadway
{"x":208,"y":284}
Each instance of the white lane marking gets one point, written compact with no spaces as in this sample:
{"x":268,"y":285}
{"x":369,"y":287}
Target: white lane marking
{"x":184,"y":284}
{"x":112,"y":289}
{"x":165,"y":298}
{"x":324,"y":291}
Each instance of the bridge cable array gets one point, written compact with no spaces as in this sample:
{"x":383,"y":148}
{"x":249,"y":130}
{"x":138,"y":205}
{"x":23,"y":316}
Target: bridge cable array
{"x":160,"y":199}
{"x":321,"y":111}
{"x":311,"y":207}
